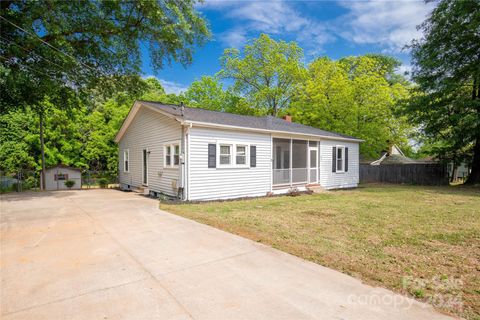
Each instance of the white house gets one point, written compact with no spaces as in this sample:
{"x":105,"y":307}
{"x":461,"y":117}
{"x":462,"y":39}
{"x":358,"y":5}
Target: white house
{"x":198,"y":154}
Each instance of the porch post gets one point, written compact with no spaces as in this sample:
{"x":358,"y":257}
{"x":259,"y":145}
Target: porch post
{"x":290,"y":163}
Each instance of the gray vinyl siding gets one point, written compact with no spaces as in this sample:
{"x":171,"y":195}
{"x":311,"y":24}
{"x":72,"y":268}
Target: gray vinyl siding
{"x":149,"y":130}
{"x":334,"y":180}
{"x":224,"y":183}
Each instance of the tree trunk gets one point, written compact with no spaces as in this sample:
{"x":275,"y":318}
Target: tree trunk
{"x":453,"y":176}
{"x":42,"y":151}
{"x":474,"y":177}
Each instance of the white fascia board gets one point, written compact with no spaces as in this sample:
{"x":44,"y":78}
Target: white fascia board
{"x":275,"y":133}
{"x":131,"y":115}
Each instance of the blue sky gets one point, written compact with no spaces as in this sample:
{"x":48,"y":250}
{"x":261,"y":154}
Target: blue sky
{"x":322,"y":28}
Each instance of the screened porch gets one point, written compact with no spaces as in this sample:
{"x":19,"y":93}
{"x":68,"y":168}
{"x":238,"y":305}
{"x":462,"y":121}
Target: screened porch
{"x":295,"y":162}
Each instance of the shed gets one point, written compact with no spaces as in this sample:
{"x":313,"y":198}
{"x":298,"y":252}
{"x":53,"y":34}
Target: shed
{"x":55,"y":177}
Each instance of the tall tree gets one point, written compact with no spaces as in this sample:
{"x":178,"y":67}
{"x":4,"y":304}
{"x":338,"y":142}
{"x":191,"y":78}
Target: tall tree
{"x":57,"y":49}
{"x":356,"y":96}
{"x":266,"y":73}
{"x":208,"y":93}
{"x":446,"y":67}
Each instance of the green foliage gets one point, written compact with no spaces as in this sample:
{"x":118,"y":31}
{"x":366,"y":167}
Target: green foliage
{"x":103,"y":183}
{"x":446,"y":104}
{"x":356,"y":96}
{"x":98,"y":41}
{"x":266,"y":73}
{"x":69,"y":184}
{"x":208,"y":93}
{"x":82,"y":137}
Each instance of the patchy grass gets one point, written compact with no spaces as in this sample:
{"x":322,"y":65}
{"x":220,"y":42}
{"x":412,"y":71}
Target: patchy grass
{"x":417,"y":240}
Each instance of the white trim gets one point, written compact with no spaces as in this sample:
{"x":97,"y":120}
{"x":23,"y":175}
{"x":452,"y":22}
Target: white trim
{"x":187,"y":161}
{"x":172,"y":145}
{"x":309,"y":164}
{"x":145,"y":161}
{"x":285,"y":133}
{"x":136,"y":106}
{"x":340,"y":147}
{"x":233,"y":155}
{"x":131,"y":115}
{"x":127,"y":160}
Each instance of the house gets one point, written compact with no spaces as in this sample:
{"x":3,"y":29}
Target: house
{"x":198,"y":154}
{"x":394,"y":156}
{"x":56,"y":176}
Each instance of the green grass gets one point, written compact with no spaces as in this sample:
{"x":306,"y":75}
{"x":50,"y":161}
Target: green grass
{"x":378,"y":233}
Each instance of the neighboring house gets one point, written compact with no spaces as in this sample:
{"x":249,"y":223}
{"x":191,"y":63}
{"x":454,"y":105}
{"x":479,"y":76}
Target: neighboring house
{"x":55,"y":177}
{"x":460,"y":172}
{"x":197,"y":154}
{"x":394,"y":156}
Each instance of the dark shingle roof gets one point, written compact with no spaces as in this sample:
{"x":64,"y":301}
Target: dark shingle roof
{"x":230,"y":119}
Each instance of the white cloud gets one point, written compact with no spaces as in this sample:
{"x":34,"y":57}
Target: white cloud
{"x":234,"y":38}
{"x":274,"y":18}
{"x":169,"y":86}
{"x":172,"y":86}
{"x":391,"y":24}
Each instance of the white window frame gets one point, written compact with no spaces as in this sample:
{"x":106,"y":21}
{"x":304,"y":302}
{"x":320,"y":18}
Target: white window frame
{"x":126,"y":152}
{"x":342,"y":169}
{"x":246,"y":155}
{"x":233,"y":154}
{"x":172,"y":146}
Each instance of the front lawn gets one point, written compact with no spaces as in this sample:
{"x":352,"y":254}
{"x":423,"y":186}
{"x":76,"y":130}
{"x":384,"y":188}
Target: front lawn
{"x":412,"y":239}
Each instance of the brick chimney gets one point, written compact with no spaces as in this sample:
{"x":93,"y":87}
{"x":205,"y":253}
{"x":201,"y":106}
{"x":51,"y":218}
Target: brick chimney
{"x":287,"y":118}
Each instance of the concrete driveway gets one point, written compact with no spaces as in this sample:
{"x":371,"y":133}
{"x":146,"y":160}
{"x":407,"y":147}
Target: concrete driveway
{"x":105,"y":254}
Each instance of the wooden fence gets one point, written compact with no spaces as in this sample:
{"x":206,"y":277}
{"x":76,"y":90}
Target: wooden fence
{"x":417,"y":173}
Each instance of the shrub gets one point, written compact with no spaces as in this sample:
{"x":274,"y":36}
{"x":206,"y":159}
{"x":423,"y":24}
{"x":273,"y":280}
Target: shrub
{"x":103,"y":183}
{"x":69,"y":184}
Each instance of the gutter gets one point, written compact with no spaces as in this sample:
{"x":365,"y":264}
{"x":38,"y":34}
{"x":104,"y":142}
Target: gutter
{"x":214,"y":125}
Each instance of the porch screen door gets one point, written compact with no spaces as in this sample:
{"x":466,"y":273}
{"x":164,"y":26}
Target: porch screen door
{"x":313,"y":165}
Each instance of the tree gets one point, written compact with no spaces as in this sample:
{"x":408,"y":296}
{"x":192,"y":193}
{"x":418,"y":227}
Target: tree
{"x":266,"y":73}
{"x":446,"y":69}
{"x":208,"y":93}
{"x":58,"y":49}
{"x":355,"y":96}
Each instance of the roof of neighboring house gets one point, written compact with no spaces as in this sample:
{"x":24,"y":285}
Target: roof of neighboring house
{"x":63,"y":166}
{"x":396,"y":156}
{"x":229,"y":119}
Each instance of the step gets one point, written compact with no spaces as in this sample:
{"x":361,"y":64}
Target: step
{"x":316,"y":188}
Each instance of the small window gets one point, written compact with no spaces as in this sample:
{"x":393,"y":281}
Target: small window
{"x":61,"y":176}
{"x":241,"y":155}
{"x":225,"y":154}
{"x":172,"y":155}
{"x":340,"y":159}
{"x":125,"y":160}
{"x":176,"y":155}
{"x":168,"y":156}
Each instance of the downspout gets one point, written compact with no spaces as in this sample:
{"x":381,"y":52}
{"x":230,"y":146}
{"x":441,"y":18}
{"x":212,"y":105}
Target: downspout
{"x":184,"y":161}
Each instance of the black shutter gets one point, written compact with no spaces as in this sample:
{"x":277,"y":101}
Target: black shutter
{"x":334,"y":159}
{"x":253,"y":156}
{"x":346,"y":159}
{"x":212,"y":155}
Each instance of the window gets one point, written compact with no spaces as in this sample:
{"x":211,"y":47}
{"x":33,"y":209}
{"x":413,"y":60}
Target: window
{"x":241,"y":155}
{"x":168,"y":156}
{"x":340,"y":158}
{"x":176,"y":155}
{"x":225,"y":154}
{"x":172,"y":155}
{"x":61,"y":176}
{"x":125,"y":160}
